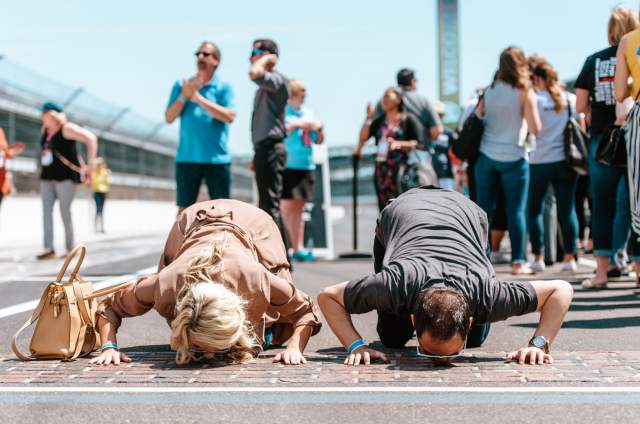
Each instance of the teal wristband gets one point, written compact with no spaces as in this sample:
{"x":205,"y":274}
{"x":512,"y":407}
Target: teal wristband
{"x":108,"y":345}
{"x":353,"y":346}
{"x":182,"y":99}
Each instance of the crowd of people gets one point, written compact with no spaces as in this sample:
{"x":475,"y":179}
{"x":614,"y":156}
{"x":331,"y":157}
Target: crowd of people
{"x":224,"y":282}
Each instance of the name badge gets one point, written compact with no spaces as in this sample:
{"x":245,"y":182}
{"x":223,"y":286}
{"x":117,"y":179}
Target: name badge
{"x":383,"y":150}
{"x":1,"y":159}
{"x":46,"y":159}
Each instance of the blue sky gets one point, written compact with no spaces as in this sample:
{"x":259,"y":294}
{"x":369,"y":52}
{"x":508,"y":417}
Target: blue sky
{"x":131,"y":52}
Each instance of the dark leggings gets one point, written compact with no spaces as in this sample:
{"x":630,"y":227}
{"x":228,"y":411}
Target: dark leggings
{"x":100,"y":198}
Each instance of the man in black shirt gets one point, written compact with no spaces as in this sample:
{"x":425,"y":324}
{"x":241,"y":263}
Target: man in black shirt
{"x":432,"y":275}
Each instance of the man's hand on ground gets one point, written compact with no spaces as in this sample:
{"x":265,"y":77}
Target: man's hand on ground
{"x":365,"y":355}
{"x":290,"y":356}
{"x":530,"y":355}
{"x":110,"y":356}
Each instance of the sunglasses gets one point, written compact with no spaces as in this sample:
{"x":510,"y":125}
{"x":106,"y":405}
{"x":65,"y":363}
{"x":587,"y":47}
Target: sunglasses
{"x":256,"y":52}
{"x":205,"y":54}
{"x":421,"y":353}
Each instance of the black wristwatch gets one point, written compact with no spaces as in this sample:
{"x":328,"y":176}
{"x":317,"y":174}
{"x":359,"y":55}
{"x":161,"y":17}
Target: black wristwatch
{"x":541,"y":342}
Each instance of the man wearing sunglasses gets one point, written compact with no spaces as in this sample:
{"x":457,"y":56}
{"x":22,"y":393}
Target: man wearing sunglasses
{"x":205,"y":107}
{"x":268,"y":128}
{"x":433,"y":277}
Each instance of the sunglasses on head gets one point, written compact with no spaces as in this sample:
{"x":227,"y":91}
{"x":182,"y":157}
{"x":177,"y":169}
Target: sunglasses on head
{"x":205,"y":54}
{"x":256,"y":52}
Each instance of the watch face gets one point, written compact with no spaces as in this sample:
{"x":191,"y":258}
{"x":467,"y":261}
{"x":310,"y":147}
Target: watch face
{"x":539,"y":341}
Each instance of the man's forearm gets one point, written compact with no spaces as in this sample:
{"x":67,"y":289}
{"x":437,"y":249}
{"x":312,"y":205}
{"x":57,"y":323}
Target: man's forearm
{"x":339,"y":319}
{"x":553,"y":309}
{"x":174,"y":111}
{"x":218,"y":112}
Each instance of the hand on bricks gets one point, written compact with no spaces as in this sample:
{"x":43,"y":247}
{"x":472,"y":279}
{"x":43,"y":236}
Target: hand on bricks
{"x":291,"y":356}
{"x":365,"y":355}
{"x":530,"y":355}
{"x":110,"y":356}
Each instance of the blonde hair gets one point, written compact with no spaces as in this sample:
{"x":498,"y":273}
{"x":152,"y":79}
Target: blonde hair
{"x":210,"y":313}
{"x":296,"y":86}
{"x":621,"y":22}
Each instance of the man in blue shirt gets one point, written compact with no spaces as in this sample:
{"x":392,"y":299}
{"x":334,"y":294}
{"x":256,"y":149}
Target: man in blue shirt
{"x":204,"y":105}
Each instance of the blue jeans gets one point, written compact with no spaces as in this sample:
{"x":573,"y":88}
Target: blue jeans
{"x":564,"y":182}
{"x":610,"y":220}
{"x":514,"y":178}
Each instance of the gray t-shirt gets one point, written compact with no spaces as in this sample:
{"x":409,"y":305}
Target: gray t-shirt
{"x":269,"y":107}
{"x":436,"y":238}
{"x":419,"y":106}
{"x":550,"y":139}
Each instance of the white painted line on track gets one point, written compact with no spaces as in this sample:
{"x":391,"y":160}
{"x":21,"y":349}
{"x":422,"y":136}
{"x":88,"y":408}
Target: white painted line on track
{"x":27,"y":306}
{"x":311,"y":389}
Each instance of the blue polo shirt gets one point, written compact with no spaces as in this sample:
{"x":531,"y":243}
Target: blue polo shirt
{"x":203,"y":139}
{"x":299,"y":155}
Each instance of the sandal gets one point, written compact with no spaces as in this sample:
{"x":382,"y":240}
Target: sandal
{"x":588,"y":284}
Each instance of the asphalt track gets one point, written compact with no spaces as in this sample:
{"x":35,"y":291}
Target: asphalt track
{"x":583,"y":387}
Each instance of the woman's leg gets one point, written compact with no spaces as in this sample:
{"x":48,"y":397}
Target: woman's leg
{"x":565,"y":184}
{"x":66,"y":191}
{"x":48,"y":193}
{"x":538,"y":187}
{"x":286,"y":209}
{"x":515,"y":180}
{"x":297,"y":225}
{"x":486,"y":179}
{"x":621,"y":225}
{"x":604,"y":184}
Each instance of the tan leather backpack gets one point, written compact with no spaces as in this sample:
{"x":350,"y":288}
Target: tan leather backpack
{"x":65,"y":316}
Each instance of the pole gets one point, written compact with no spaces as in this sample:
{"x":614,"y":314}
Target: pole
{"x":355,"y":254}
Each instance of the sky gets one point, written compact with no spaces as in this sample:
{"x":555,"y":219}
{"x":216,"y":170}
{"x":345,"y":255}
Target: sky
{"x":347,"y":52}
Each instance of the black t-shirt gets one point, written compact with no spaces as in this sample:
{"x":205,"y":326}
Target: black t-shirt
{"x":408,"y":128}
{"x":436,"y":238}
{"x":59,"y":149}
{"x":598,"y":77}
{"x":440,"y":153}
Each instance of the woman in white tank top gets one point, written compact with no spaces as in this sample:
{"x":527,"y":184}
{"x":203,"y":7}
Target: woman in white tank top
{"x":509,"y":111}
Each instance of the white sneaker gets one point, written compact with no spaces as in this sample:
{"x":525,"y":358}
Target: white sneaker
{"x":569,"y":267}
{"x":537,"y":266}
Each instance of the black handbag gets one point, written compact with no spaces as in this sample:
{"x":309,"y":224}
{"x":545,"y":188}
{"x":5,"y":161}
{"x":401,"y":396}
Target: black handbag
{"x":467,"y":146}
{"x":612,"y":150}
{"x":576,"y":142}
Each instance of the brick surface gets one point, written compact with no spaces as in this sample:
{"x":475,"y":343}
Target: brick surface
{"x":159,"y":368}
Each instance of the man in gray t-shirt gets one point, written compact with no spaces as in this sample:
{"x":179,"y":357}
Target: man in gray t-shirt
{"x":432,"y":276}
{"x":267,"y":128}
{"x":418,"y":105}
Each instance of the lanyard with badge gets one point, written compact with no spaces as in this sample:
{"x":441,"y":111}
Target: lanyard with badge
{"x":383,"y":144}
{"x":46,"y":157}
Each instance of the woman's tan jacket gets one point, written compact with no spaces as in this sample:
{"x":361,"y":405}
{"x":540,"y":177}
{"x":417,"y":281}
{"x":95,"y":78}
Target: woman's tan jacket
{"x":254,"y":260}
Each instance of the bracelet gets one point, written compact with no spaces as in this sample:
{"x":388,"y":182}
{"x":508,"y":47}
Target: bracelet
{"x":353,"y":346}
{"x":108,"y":346}
{"x":183,"y":99}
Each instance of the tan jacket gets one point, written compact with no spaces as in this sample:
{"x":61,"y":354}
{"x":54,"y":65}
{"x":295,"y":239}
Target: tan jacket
{"x":254,"y":260}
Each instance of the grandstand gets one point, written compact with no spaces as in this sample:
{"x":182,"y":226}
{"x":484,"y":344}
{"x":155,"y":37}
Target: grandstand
{"x":140,"y":151}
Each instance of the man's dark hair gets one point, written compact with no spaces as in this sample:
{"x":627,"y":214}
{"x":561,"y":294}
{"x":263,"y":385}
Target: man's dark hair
{"x":215,"y":50}
{"x":405,"y":77}
{"x":267,"y":45}
{"x":443,"y":313}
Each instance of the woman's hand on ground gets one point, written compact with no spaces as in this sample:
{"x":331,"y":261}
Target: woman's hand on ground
{"x":364,"y":355}
{"x":530,"y":355}
{"x":290,"y":356}
{"x":110,"y":356}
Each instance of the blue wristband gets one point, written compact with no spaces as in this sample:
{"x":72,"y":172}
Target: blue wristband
{"x":108,"y":345}
{"x":353,"y":346}
{"x":183,"y":99}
